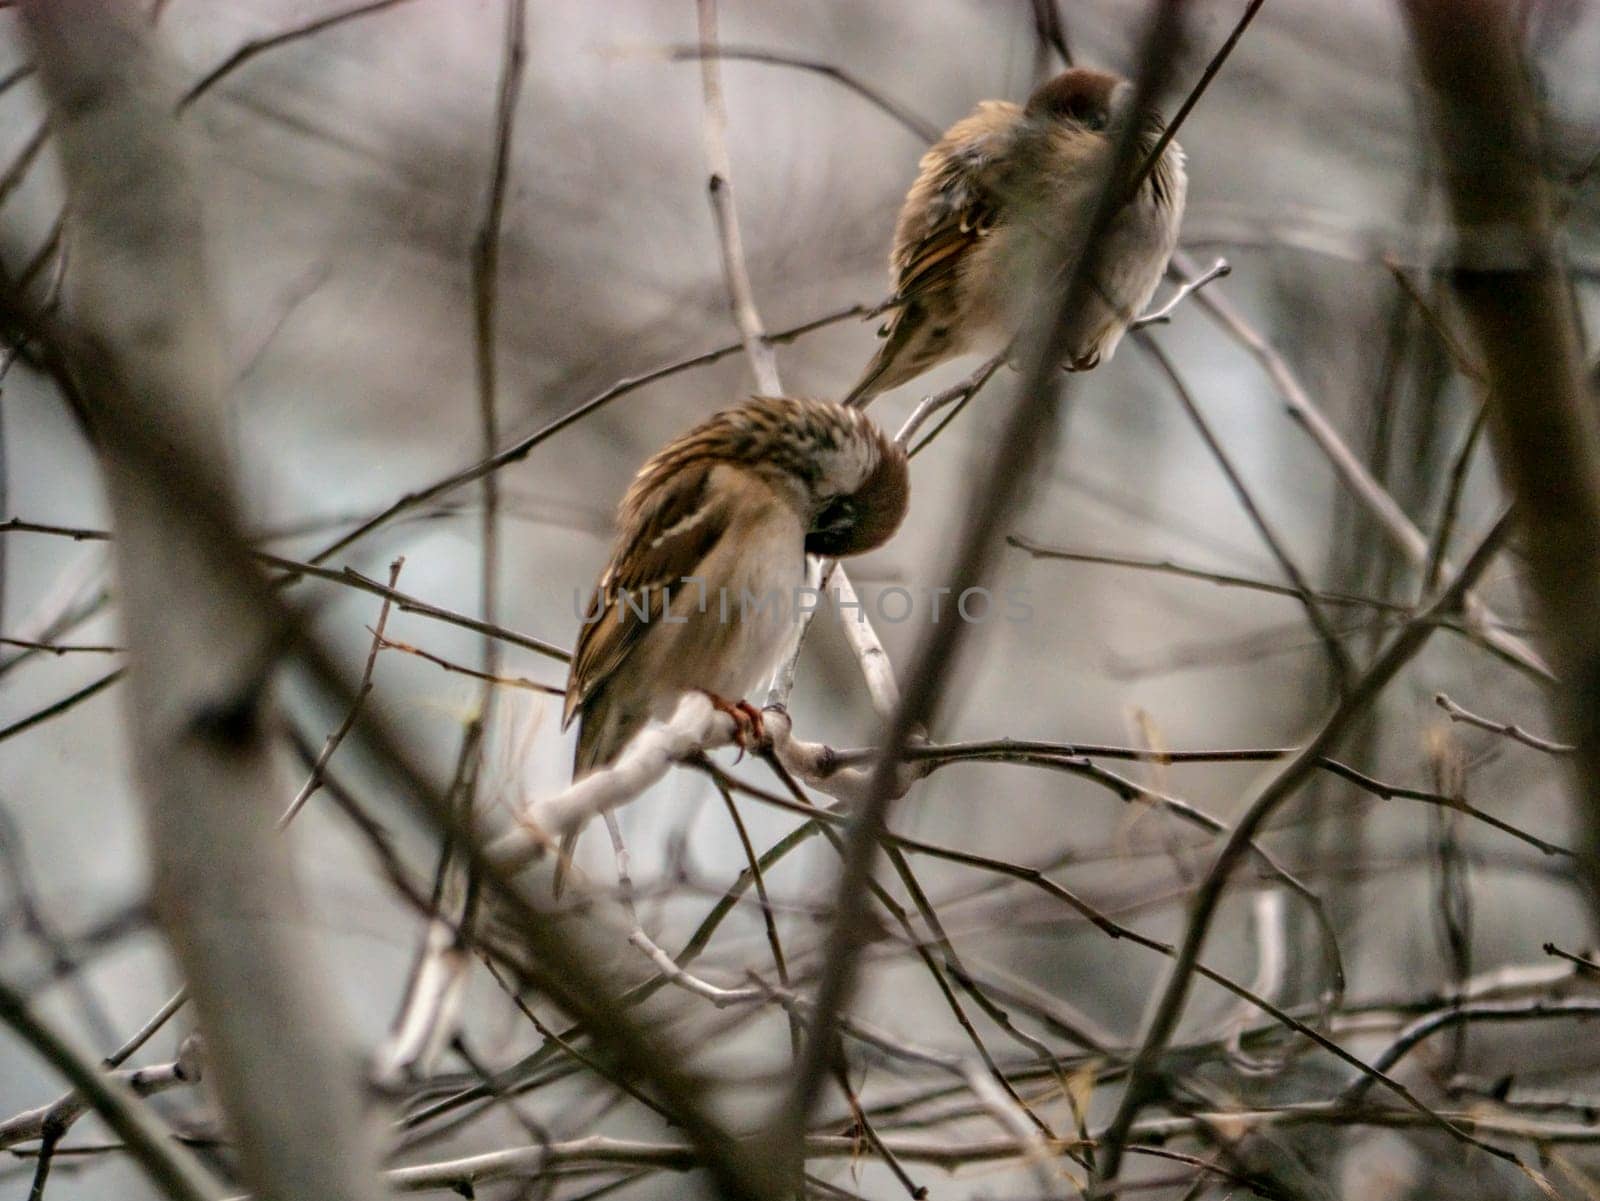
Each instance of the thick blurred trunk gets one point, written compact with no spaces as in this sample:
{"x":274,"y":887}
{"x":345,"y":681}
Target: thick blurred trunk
{"x":1511,"y":285}
{"x":145,"y":347}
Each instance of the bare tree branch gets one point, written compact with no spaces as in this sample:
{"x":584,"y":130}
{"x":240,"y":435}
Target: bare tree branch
{"x":363,"y":690}
{"x":741,"y":296}
{"x":1509,"y":729}
{"x":172,"y":1166}
{"x":1509,"y":281}
{"x":51,"y":1121}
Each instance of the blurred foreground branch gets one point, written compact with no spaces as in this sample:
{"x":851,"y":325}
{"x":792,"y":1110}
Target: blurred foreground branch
{"x":1508,"y":278}
{"x":149,"y":362}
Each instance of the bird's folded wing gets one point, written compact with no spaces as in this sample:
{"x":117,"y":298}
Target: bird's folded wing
{"x":954,"y":202}
{"x":663,"y":542}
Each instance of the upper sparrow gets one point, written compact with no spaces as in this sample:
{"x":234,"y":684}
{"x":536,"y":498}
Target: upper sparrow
{"x":711,"y":546}
{"x":996,"y":203}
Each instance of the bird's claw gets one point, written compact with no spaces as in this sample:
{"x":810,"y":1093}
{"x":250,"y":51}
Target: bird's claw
{"x":758,"y":724}
{"x":749,"y":727}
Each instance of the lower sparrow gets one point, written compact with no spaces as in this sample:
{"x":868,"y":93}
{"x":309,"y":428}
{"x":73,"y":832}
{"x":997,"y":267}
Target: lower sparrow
{"x":711,"y":546}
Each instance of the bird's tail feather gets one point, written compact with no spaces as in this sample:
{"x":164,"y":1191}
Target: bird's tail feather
{"x":870,"y":383}
{"x":909,"y":348}
{"x":882,"y":372}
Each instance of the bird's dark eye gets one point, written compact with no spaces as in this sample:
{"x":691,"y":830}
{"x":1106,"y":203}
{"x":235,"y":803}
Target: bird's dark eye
{"x":831,"y":528}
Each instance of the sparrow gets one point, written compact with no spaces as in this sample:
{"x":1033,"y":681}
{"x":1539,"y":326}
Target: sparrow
{"x":997,"y":200}
{"x":727,"y":511}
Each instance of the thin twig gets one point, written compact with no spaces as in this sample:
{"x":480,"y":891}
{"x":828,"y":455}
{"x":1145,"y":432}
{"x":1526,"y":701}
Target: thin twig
{"x":957,"y":394}
{"x":1458,"y":354}
{"x":405,"y":603}
{"x":348,"y":577}
{"x":351,"y":578}
{"x":56,"y":708}
{"x":15,"y":76}
{"x":53,"y":243}
{"x":522,"y":447}
{"x":64,"y":648}
{"x":1474,"y":1011}
{"x":922,"y":129}
{"x":363,"y":690}
{"x":1338,"y":658}
{"x":13,"y":175}
{"x":769,"y":921}
{"x":1141,"y":1084}
{"x":1039,"y":550}
{"x":1077,"y":757}
{"x":258,"y":46}
{"x":741,"y":296}
{"x":1048,"y":25}
{"x":1514,"y":732}
{"x":390,"y":644}
{"x":1220,"y":269}
{"x":1455,"y":489}
{"x":485,"y":294}
{"x":429,"y":1014}
{"x":1193,"y":98}
{"x":1587,"y":966}
{"x":17,"y":525}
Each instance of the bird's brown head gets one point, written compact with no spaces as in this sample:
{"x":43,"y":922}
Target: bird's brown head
{"x":862,"y":496}
{"x":847,"y":478}
{"x":1082,"y":96}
